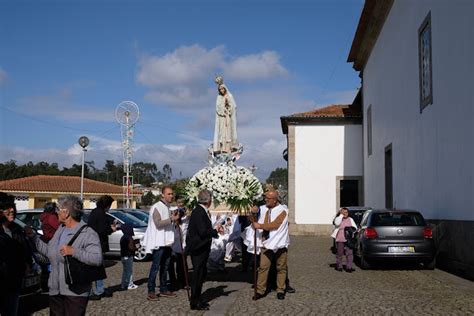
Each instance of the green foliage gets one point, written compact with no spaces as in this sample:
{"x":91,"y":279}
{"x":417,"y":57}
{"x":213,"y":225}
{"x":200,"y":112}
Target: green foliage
{"x":148,"y":199}
{"x":179,"y":188}
{"x":277,"y":177}
{"x":144,"y":173}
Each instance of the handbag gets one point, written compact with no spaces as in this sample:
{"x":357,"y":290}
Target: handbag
{"x":350,"y":235}
{"x":79,"y":275}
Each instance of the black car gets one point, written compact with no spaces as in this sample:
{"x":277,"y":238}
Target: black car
{"x":395,"y":235}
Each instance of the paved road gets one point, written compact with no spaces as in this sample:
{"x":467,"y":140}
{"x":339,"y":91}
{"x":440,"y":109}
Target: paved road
{"x":320,"y":290}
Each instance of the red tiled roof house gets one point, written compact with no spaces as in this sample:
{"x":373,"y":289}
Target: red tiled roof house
{"x":33,"y":192}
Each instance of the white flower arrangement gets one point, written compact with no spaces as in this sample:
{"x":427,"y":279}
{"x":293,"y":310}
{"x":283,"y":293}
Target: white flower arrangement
{"x":235,"y":186}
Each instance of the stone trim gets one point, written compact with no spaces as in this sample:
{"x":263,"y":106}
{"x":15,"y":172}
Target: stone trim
{"x":291,"y":140}
{"x":311,"y":229}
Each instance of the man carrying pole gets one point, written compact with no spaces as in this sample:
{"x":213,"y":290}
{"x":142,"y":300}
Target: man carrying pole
{"x":274,"y":223}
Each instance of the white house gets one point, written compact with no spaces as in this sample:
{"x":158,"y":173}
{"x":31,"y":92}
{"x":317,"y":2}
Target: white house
{"x":325,"y":167}
{"x":416,"y":63}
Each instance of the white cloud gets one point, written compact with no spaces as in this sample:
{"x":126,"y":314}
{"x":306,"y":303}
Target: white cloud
{"x":264,"y":65}
{"x":185,"y":65}
{"x":174,"y":147}
{"x":3,"y":76}
{"x":181,"y":79}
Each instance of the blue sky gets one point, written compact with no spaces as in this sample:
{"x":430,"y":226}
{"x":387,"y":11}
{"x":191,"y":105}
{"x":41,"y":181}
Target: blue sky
{"x":66,"y":65}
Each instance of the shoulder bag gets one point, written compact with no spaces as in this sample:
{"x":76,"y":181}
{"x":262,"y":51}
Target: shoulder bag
{"x":79,"y":275}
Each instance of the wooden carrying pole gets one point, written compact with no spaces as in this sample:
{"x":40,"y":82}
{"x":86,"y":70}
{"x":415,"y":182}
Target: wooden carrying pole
{"x":255,"y":262}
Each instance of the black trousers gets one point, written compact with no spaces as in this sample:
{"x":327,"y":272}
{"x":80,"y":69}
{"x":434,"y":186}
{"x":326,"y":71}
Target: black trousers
{"x":60,"y":305}
{"x":199,"y":261}
{"x":176,"y":272}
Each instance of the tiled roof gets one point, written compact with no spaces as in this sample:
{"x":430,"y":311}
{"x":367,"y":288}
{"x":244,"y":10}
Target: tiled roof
{"x":336,"y":113}
{"x":60,"y":184}
{"x":336,"y":110}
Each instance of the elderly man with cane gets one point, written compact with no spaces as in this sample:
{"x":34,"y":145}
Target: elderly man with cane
{"x":198,"y":245}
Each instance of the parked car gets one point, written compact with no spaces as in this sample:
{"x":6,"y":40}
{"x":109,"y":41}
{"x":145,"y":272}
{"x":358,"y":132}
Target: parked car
{"x":31,"y":217}
{"x":357,"y":212}
{"x":138,"y":213}
{"x":120,"y":218}
{"x":395,"y":235}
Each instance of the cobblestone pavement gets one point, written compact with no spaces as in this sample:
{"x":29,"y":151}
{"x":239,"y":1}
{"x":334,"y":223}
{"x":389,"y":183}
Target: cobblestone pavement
{"x":319,"y":290}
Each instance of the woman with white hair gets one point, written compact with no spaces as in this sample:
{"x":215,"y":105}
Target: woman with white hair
{"x":64,"y":299}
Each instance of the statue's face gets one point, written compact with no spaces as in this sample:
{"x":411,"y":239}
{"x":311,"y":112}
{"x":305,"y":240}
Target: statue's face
{"x":222,"y":90}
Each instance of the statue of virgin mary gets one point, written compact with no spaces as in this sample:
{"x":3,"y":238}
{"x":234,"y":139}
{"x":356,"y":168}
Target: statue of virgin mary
{"x":225,"y":132}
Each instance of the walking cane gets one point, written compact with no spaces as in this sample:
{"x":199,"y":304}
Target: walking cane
{"x":185,"y":265}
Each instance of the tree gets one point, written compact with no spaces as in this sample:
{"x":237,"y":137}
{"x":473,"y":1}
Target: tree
{"x":278,"y":177}
{"x":145,"y":173}
{"x":148,"y":199}
{"x":178,"y":188}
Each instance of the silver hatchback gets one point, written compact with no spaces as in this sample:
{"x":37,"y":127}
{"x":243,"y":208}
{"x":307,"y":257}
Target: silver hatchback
{"x":397,"y":235}
{"x":120,"y":218}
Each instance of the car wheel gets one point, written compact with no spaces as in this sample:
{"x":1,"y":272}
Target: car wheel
{"x":430,"y":265}
{"x":363,"y":261}
{"x":141,"y":254}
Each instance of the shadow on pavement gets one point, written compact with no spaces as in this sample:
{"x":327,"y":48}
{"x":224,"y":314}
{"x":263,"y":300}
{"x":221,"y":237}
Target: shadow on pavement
{"x":230,"y":274}
{"x":215,"y":292}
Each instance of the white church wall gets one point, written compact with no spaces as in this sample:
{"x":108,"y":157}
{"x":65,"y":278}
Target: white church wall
{"x":432,"y":150}
{"x":321,"y":154}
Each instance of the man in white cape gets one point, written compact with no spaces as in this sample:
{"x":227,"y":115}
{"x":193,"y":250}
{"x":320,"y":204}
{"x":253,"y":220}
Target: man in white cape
{"x":158,"y":239}
{"x":273,"y":223}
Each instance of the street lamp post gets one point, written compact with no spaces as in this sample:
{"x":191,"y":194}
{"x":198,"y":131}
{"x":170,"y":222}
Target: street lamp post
{"x":83,"y":142}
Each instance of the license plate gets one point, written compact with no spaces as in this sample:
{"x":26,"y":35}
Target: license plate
{"x":406,"y":249}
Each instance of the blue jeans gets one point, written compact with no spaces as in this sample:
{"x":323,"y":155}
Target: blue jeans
{"x":161,"y":261}
{"x":127,"y":263}
{"x":99,"y":287}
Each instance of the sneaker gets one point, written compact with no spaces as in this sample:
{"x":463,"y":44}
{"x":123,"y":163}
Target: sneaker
{"x":152,"y":297}
{"x":227,"y":259}
{"x":132,"y":287}
{"x":168,"y":294}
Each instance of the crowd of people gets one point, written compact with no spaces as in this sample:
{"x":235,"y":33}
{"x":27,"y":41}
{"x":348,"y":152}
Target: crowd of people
{"x":173,"y":234}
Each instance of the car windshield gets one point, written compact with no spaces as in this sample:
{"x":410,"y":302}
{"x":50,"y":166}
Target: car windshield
{"x":140,"y":215}
{"x":397,"y":219}
{"x":30,"y":219}
{"x":129,"y":219}
{"x":357,"y":215}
